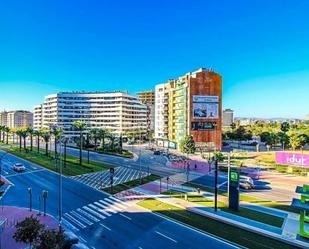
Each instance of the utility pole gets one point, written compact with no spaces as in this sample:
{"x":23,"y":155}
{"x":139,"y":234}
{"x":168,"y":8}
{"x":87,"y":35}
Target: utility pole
{"x":216,"y":183}
{"x":228,"y":173}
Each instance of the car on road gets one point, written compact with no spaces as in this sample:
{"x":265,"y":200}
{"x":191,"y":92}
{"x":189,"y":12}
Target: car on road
{"x":19,"y":167}
{"x":156,"y":152}
{"x":246,"y":182}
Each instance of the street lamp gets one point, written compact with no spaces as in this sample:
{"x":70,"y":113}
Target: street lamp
{"x":30,"y":198}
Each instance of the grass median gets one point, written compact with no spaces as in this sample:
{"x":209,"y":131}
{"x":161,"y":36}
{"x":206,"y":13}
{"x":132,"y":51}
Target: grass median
{"x":217,"y":228}
{"x":248,"y":198}
{"x":131,"y":184}
{"x":243,"y":212}
{"x":72,"y":166}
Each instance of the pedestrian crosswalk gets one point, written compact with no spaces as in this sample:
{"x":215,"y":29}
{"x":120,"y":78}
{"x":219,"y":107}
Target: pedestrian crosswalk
{"x":101,"y":179}
{"x":93,"y":213}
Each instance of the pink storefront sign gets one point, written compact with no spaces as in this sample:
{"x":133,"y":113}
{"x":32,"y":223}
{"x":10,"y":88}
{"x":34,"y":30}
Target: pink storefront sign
{"x":292,"y":159}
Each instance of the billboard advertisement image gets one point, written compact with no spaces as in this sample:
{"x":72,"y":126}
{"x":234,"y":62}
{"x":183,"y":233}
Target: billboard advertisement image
{"x":292,"y":159}
{"x":205,"y":106}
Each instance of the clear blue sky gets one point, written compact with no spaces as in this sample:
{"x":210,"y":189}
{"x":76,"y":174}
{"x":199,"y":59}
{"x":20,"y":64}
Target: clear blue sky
{"x":261,"y":49}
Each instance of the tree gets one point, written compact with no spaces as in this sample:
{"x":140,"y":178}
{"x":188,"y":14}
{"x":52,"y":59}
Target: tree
{"x":95,"y":135}
{"x":46,"y":138}
{"x":24,"y":134}
{"x":112,"y":139}
{"x":80,"y":126}
{"x":28,"y":230}
{"x":219,"y":156}
{"x":38,"y":134}
{"x":57,"y":133}
{"x":18,"y":133}
{"x":1,"y":131}
{"x":187,"y":145}
{"x":7,"y":131}
{"x":50,"y":239}
{"x":285,"y":126}
{"x":283,"y":138}
{"x":30,"y":131}
{"x":233,"y":126}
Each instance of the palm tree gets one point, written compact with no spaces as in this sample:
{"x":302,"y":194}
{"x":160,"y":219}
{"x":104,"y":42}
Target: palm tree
{"x":95,"y":135}
{"x":24,"y":134}
{"x":112,"y":138}
{"x":37,"y":133}
{"x":7,"y":130}
{"x":18,"y":133}
{"x":46,"y":137}
{"x":80,"y":126}
{"x":57,"y":133}
{"x":1,"y":130}
{"x":30,"y":132}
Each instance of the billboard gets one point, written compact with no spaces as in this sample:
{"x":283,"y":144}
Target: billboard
{"x":201,"y":126}
{"x":292,"y":159}
{"x":203,"y":109}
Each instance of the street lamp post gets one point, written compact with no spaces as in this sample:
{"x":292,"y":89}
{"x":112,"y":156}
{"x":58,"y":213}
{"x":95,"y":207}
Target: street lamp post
{"x":30,"y":198}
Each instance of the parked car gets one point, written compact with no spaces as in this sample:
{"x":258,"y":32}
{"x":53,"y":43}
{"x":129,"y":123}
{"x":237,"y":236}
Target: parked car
{"x":246,"y":182}
{"x":156,"y":152}
{"x":18,"y":167}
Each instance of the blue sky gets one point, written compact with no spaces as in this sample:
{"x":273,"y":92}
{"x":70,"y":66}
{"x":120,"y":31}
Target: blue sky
{"x":261,"y":49}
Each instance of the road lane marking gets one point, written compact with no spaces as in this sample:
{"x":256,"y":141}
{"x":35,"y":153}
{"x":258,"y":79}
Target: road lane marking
{"x":127,"y":217}
{"x":111,"y":207}
{"x":82,"y":239}
{"x":105,"y":227}
{"x":106,"y":208}
{"x":27,"y":172}
{"x":81,"y":225}
{"x":94,"y":212}
{"x":102,"y":209}
{"x":69,"y":225}
{"x":123,"y":202}
{"x":73,"y":213}
{"x":165,"y":236}
{"x":115,"y":204}
{"x":89,"y":216}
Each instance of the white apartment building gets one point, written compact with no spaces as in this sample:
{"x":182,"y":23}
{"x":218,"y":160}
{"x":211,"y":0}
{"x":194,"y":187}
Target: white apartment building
{"x":227,"y":117}
{"x":117,"y":111}
{"x":161,"y":111}
{"x":16,"y":119}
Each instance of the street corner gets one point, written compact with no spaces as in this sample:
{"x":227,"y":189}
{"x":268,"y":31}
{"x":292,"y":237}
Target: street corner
{"x":11,"y":215}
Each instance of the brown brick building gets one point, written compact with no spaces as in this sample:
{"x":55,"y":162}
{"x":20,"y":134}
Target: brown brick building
{"x":190,"y":104}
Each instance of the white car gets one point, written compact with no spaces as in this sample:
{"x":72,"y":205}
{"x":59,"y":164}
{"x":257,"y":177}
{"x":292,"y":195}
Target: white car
{"x":246,"y":182}
{"x":18,"y":167}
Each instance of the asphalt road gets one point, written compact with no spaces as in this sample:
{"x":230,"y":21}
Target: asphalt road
{"x":133,"y":227}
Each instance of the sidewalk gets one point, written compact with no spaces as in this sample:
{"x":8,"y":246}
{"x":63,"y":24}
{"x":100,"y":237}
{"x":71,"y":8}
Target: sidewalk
{"x":10,"y":216}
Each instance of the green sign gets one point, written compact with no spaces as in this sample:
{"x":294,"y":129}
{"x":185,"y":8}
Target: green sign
{"x":234,"y":176}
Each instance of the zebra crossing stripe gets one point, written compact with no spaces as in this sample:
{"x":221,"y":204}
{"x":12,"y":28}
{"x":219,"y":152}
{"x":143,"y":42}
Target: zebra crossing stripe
{"x":115,"y":203}
{"x":73,"y":213}
{"x":81,"y":225}
{"x":98,"y":209}
{"x":107,"y":207}
{"x":103,"y":211}
{"x":94,"y":212}
{"x":89,"y":216}
{"x":120,"y":201}
{"x":111,"y":207}
{"x":69,"y":225}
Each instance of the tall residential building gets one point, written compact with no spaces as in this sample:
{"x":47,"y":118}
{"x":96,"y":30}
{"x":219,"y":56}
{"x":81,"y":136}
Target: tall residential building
{"x":227,"y":117}
{"x":148,"y":98}
{"x":16,"y":119}
{"x":190,"y":105}
{"x":117,"y":111}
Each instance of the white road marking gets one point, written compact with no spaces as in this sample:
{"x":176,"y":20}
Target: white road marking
{"x":115,"y":204}
{"x":127,"y":217}
{"x":102,"y":209}
{"x":82,"y":239}
{"x":94,"y":212}
{"x":105,"y":227}
{"x":69,"y":225}
{"x":73,"y":213}
{"x":165,"y":236}
{"x":89,"y":216}
{"x":74,"y":220}
{"x":111,"y":207}
{"x":124,"y":203}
